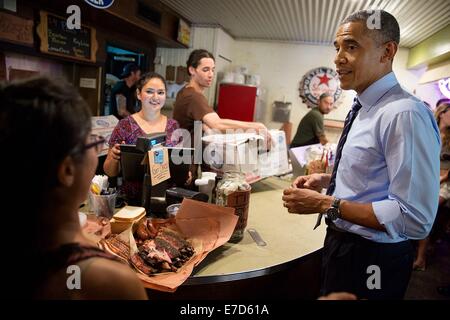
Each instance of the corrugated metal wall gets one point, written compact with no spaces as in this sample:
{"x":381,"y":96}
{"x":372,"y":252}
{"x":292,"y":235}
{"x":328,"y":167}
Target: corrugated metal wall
{"x":310,"y":21}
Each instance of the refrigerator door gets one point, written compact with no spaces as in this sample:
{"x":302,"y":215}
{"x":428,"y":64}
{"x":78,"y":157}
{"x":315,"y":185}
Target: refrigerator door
{"x":236,"y":102}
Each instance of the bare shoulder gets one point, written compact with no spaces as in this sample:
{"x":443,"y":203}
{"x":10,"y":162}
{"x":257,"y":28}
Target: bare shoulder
{"x":106,"y":279}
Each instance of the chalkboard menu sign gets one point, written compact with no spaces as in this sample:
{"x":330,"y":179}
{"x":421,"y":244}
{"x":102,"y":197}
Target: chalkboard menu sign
{"x":57,"y":39}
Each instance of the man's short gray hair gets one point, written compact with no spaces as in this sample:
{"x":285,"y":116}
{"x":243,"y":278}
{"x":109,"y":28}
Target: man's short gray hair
{"x":324,"y":95}
{"x":389,"y":30}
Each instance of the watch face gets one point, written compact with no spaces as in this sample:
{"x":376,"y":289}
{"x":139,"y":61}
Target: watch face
{"x":332,"y":213}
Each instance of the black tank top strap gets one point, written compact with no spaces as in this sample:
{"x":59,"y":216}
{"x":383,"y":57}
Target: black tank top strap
{"x":77,"y":253}
{"x":72,"y":253}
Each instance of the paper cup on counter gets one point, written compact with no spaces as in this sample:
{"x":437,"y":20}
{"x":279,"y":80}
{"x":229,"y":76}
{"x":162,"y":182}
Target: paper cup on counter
{"x":172,"y":210}
{"x":102,"y":205}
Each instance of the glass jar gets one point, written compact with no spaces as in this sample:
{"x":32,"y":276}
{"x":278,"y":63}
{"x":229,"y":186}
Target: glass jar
{"x":233,"y":191}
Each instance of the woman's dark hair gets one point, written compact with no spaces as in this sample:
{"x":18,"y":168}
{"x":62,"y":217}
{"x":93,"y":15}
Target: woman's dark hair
{"x":146,"y":77}
{"x":41,"y":122}
{"x":443,"y":107}
{"x":441,"y":101}
{"x":196,"y":56}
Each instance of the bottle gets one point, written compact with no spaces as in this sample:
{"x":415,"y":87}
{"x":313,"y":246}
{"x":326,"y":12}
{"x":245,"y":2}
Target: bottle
{"x":331,"y":159}
{"x":216,"y":182}
{"x":233,"y":191}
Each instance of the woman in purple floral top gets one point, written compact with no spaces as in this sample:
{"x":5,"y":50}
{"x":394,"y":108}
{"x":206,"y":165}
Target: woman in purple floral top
{"x":151,"y":92}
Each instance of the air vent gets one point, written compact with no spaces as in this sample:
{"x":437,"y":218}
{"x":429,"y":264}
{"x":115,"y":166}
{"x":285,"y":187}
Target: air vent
{"x":151,"y":15}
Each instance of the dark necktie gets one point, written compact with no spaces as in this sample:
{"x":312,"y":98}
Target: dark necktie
{"x":347,"y":125}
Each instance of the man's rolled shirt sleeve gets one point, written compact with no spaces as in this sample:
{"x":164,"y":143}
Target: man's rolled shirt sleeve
{"x":411,"y":150}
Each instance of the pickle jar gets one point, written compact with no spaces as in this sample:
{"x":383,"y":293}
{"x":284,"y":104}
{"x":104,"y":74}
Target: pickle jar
{"x":233,"y":191}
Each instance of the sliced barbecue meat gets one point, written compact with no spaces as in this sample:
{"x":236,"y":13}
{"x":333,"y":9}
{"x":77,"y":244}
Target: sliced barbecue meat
{"x":162,"y":244}
{"x":150,"y":261}
{"x":116,"y":246}
{"x":152,"y":229}
{"x":160,"y":249}
{"x":166,"y":266}
{"x":142,"y":231}
{"x":151,"y":249}
{"x":146,"y":230}
{"x":186,"y":253}
{"x":140,"y":264}
{"x":173,"y":237}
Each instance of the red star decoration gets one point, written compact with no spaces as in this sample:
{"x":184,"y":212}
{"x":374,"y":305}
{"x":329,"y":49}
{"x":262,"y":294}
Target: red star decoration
{"x":324,"y":79}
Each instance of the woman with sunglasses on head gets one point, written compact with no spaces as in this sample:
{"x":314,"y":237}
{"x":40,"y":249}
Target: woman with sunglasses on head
{"x":442,"y":115}
{"x":46,"y":127}
{"x":151,"y":92}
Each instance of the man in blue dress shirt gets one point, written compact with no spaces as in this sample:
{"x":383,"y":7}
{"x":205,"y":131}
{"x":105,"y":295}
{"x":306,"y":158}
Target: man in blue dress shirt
{"x":385,"y":190}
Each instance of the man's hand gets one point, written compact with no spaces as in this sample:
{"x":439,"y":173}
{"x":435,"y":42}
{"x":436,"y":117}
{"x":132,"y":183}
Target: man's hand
{"x":315,"y":181}
{"x":305,"y":201}
{"x":323,"y":140}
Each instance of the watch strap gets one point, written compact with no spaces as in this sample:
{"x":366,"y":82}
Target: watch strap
{"x":336,"y":203}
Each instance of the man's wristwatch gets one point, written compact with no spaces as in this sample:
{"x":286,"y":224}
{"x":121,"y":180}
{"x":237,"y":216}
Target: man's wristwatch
{"x":333,"y":212}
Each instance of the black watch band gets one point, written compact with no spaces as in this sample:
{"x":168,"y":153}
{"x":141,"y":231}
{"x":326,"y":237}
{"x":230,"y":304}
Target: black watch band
{"x":336,"y":203}
{"x":334,"y":212}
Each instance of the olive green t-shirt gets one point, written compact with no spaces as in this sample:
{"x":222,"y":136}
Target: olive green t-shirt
{"x":190,"y":106}
{"x":309,"y":130}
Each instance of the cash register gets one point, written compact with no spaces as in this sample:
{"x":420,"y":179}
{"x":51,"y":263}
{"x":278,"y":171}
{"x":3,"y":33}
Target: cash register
{"x":154,"y":198}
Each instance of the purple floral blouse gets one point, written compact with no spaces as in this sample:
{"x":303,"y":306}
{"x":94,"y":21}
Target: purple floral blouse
{"x":128,"y":130}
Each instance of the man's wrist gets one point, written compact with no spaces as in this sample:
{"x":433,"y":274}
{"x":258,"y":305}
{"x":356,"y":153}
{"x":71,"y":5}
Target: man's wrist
{"x":325,"y":203}
{"x":325,"y":180}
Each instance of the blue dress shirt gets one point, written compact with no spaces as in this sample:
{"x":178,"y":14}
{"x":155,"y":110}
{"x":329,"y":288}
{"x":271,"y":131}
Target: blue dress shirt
{"x":391,"y":160}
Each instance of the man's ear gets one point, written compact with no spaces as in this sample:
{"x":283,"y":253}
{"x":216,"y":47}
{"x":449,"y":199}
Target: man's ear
{"x":191,"y":70}
{"x":390,"y":49}
{"x":66,"y":172}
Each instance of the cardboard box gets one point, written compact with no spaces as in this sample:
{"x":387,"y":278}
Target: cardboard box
{"x":232,"y":152}
{"x":104,"y":127}
{"x":274,"y":162}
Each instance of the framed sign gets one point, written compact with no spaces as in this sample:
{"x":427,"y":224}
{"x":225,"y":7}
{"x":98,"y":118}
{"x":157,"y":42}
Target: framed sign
{"x":16,"y":29}
{"x":184,"y":33}
{"x":317,"y":81}
{"x":57,"y":39}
